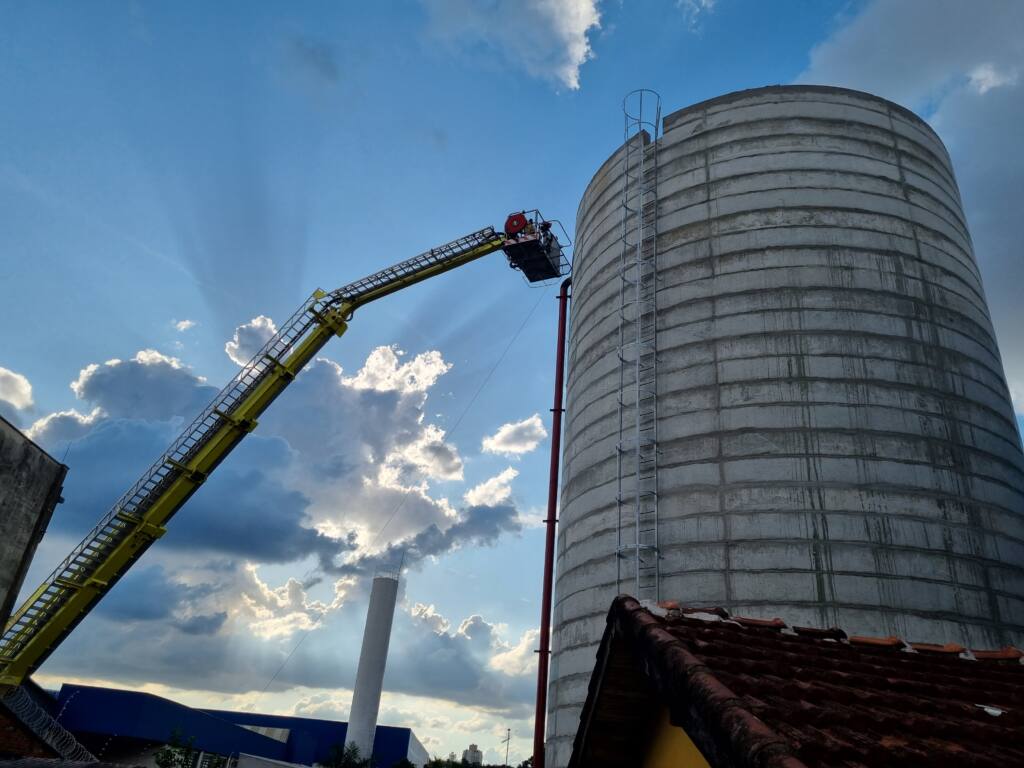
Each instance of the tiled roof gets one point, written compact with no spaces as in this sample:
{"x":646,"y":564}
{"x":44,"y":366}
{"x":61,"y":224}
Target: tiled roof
{"x":751,"y":692}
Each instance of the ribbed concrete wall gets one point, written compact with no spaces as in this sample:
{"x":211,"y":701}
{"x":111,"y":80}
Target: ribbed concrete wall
{"x":838,"y":442}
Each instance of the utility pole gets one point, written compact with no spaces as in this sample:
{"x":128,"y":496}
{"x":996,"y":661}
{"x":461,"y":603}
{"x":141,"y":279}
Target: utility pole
{"x":506,"y":741}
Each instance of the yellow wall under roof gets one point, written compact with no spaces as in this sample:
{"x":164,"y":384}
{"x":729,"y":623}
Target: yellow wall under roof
{"x":672,"y":748}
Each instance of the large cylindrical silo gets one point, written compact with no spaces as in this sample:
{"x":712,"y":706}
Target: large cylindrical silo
{"x":836,"y":442}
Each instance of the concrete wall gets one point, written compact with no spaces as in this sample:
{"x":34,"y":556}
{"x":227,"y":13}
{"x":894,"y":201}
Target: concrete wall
{"x":30,"y":485}
{"x":838,"y":443}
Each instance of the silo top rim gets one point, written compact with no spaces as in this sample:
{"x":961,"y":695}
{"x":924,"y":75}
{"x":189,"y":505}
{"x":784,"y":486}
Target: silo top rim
{"x":674,"y":117}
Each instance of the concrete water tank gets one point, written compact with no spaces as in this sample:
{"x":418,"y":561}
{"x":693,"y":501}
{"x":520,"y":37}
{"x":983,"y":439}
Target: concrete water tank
{"x":837,"y":444}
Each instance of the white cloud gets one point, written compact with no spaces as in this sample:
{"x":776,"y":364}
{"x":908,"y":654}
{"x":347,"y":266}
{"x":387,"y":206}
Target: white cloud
{"x":184,"y":325}
{"x":249,"y":338}
{"x":428,"y":615}
{"x":518,"y":659}
{"x":694,"y":9}
{"x":985,"y":77}
{"x":282,"y":611}
{"x":546,"y":38}
{"x":63,"y":426}
{"x":957,"y":63}
{"x":384,"y":372}
{"x":15,"y":389}
{"x":492,"y":492}
{"x":517,"y":437}
{"x":428,"y":456}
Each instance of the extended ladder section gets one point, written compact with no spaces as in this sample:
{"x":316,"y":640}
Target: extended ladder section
{"x":139,"y":516}
{"x":637,"y":451}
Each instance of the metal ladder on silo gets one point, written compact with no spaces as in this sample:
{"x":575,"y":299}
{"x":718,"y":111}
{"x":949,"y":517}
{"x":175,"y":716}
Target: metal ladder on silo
{"x":637,"y":447}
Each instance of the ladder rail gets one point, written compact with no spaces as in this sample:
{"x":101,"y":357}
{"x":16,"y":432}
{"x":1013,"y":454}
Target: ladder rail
{"x":136,"y":519}
{"x":637,"y":452}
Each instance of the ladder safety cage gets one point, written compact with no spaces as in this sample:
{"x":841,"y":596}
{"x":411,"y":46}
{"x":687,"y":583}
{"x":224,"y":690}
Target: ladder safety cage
{"x":637,"y":452}
{"x":137,"y":518}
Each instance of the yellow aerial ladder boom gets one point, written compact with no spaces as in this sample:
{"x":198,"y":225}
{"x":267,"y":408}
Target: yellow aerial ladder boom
{"x":139,"y":516}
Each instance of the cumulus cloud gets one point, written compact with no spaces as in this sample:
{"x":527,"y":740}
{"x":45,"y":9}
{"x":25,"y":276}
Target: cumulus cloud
{"x":429,"y":617}
{"x":150,"y":385}
{"x":384,"y":371}
{"x":60,"y":427}
{"x":15,"y":389}
{"x":493,"y":491}
{"x":249,"y":338}
{"x":428,"y":456}
{"x":283,"y":611}
{"x":546,"y":39}
{"x":518,"y":659}
{"x":470,"y":664}
{"x":517,"y":437}
{"x":478,"y":525}
{"x":184,"y":325}
{"x":957,"y":64}
{"x":210,"y":607}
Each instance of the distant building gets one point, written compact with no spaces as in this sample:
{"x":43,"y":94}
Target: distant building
{"x":698,"y":688}
{"x":130,"y":727}
{"x":472,"y":756}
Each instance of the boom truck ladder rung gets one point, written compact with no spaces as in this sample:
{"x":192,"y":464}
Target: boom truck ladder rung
{"x":138,"y":517}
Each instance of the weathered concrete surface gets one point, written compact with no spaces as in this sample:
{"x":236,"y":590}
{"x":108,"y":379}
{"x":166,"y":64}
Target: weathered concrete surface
{"x":838,"y":442}
{"x":373,"y":657}
{"x":30,"y":484}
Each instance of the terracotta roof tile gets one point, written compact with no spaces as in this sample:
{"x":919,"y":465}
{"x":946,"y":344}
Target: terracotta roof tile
{"x":1009,"y":653}
{"x":751,"y":695}
{"x":952,"y":648}
{"x":766,"y":623}
{"x":877,"y":642}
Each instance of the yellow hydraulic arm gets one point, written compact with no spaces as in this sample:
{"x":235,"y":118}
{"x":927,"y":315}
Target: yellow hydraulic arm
{"x":139,"y":516}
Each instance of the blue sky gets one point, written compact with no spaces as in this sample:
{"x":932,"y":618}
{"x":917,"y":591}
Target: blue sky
{"x":169,"y":172}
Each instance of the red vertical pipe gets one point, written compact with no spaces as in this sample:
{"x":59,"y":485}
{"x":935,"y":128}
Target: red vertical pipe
{"x":549,"y":540}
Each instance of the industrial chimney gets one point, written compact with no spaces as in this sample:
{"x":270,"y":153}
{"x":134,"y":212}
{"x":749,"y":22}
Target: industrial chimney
{"x":362,"y":721}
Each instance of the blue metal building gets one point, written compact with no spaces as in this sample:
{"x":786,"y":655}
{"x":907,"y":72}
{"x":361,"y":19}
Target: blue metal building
{"x":97,"y":716}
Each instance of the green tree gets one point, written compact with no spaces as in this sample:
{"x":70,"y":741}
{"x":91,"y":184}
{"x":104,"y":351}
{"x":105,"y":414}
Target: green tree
{"x":180,"y":752}
{"x":346,"y":757}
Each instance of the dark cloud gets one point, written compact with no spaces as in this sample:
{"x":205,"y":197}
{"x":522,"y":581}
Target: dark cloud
{"x":479,"y":526}
{"x":243,"y":510}
{"x":149,"y":386}
{"x":203,"y":625}
{"x":149,"y":594}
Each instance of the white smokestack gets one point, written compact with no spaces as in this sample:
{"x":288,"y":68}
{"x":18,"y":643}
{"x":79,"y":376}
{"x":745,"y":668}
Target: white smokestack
{"x":362,"y":722}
